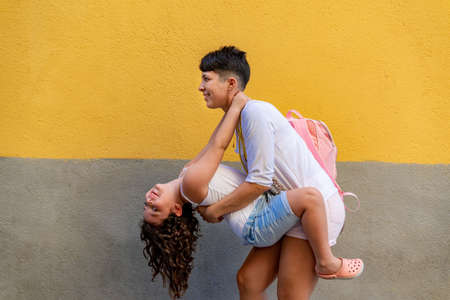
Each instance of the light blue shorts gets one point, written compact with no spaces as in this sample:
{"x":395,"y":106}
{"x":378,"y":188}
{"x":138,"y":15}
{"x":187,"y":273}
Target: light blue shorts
{"x":270,"y":219}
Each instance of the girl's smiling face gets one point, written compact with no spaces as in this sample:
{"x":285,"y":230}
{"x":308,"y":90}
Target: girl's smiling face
{"x":160,"y":202}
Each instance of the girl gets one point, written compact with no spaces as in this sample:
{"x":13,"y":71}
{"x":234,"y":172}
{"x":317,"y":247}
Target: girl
{"x":170,"y":229}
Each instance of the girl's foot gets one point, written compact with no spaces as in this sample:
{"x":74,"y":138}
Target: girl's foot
{"x":329,"y":267}
{"x":349,"y":269}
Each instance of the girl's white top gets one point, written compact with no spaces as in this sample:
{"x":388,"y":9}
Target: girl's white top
{"x":225,"y":181}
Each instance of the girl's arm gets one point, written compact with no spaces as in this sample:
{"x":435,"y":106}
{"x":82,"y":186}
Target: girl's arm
{"x":197,"y":158}
{"x":197,"y":177}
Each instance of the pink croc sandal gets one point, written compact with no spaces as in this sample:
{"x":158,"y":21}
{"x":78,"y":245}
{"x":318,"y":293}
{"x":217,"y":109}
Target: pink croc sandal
{"x":350,"y":268}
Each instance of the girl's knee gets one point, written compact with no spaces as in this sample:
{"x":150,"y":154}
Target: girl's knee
{"x":315,"y":197}
{"x":307,"y":193}
{"x":313,"y":193}
{"x":304,"y":198}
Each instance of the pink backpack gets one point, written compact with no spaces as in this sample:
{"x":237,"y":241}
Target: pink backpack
{"x":320,"y":142}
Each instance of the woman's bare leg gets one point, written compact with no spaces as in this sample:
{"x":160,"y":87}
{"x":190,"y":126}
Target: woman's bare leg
{"x":258,"y":271}
{"x":308,"y":205}
{"x":296,"y":275}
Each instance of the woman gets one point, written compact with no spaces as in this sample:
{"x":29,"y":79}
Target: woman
{"x":170,"y":229}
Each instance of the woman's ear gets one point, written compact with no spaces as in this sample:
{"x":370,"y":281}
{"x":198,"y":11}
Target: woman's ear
{"x":232,"y":83}
{"x":177,"y":210}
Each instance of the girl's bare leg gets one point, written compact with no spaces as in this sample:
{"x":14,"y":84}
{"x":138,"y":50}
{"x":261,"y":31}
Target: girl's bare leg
{"x":258,"y":271}
{"x":307,"y":204}
{"x":296,"y":275}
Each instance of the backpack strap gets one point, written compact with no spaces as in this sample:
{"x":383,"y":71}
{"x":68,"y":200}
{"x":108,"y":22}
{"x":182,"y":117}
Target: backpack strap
{"x":293,"y":111}
{"x":328,"y":131}
{"x":357,"y":201}
{"x":241,"y":145}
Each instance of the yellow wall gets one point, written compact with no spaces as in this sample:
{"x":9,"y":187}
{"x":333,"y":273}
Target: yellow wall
{"x":118,"y":79}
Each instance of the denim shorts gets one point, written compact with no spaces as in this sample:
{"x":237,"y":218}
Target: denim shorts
{"x":270,"y":219}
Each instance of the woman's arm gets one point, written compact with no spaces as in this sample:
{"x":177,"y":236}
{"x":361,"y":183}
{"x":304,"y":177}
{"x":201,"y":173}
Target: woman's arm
{"x":197,"y":177}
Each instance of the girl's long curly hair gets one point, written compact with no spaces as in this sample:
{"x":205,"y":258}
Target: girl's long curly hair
{"x":169,"y":248}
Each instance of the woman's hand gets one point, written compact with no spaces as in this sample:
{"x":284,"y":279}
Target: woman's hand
{"x":207,"y":213}
{"x":239,"y":100}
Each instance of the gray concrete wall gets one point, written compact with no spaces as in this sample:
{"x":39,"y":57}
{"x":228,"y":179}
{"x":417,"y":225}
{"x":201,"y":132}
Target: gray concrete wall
{"x":69,"y":230}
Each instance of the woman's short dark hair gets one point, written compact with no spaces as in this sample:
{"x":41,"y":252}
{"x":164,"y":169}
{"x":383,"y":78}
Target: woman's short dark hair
{"x":228,"y":59}
{"x":169,"y":248}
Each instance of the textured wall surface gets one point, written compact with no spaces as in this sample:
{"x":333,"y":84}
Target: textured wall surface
{"x":69,"y":230}
{"x":115,"y":79}
{"x":99,"y":101}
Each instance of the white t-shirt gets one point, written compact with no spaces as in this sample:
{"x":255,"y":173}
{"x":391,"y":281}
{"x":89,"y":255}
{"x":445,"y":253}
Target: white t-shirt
{"x":275,"y":150}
